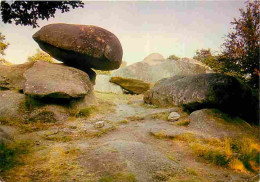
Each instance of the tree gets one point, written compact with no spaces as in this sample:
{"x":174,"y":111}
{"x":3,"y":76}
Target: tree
{"x":3,"y":47}
{"x":28,"y":12}
{"x":207,"y":58}
{"x":241,"y":47}
{"x":173,"y":57}
{"x":41,"y":56}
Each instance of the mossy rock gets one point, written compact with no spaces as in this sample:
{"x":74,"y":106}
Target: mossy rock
{"x":132,"y":85}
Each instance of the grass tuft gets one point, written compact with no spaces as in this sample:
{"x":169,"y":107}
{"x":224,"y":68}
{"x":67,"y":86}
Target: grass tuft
{"x":10,"y":154}
{"x":119,"y":177}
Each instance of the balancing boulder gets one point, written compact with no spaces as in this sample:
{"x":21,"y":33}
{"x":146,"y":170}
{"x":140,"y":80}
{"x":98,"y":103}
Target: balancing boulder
{"x":81,"y":46}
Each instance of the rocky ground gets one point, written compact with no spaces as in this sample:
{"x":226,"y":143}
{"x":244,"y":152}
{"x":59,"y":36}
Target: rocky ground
{"x":134,"y":142}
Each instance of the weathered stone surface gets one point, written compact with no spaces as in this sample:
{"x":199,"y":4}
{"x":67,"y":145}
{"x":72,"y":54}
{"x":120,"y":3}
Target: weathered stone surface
{"x":103,"y":85}
{"x":131,"y":85}
{"x":212,"y":122}
{"x":49,"y":114}
{"x":11,"y":77}
{"x":154,"y":58}
{"x":206,"y":90}
{"x":173,"y":116}
{"x":81,"y":46}
{"x":80,"y":103}
{"x":56,"y":81}
{"x":12,"y":106}
{"x":149,"y":72}
{"x":140,"y":159}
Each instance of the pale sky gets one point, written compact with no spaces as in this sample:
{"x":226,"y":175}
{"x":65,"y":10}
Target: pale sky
{"x":172,"y":27}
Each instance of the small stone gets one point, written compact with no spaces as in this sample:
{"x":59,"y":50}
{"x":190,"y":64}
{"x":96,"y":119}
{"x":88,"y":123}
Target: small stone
{"x":173,"y":116}
{"x":99,"y":124}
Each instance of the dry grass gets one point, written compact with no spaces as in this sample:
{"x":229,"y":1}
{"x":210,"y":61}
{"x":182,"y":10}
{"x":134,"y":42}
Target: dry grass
{"x":183,"y":121}
{"x":119,"y":177}
{"x":26,"y":126}
{"x":125,"y":121}
{"x":54,"y":163}
{"x":241,"y":154}
{"x":161,"y":116}
{"x":135,"y":118}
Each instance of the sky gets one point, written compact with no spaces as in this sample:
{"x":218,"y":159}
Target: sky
{"x":165,"y":27}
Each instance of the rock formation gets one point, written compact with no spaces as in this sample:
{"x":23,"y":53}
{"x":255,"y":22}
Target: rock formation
{"x":154,"y":68}
{"x":48,"y":92}
{"x":81,"y":46}
{"x":206,"y":90}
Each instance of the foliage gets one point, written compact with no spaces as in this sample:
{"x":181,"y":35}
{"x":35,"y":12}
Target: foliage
{"x":28,"y":12}
{"x":41,"y":56}
{"x":206,"y":57}
{"x":173,"y":57}
{"x":241,"y":47}
{"x":3,"y":47}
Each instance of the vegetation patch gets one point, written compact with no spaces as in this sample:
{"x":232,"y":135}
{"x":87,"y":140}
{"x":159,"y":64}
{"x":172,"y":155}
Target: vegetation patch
{"x":86,"y":112}
{"x":119,"y":177}
{"x":237,"y":153}
{"x":55,"y":163}
{"x":125,"y":121}
{"x":10,"y":154}
{"x":161,"y":116}
{"x":58,"y":136}
{"x":26,"y":126}
{"x":182,"y":122}
{"x":135,"y":118}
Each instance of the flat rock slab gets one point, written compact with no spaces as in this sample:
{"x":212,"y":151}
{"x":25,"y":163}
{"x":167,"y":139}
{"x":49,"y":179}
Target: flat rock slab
{"x":137,"y":158}
{"x":131,"y":85}
{"x":56,"y":81}
{"x":81,"y":46}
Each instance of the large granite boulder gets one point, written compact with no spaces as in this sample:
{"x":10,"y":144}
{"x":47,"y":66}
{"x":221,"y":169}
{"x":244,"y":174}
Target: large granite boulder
{"x":81,"y":46}
{"x":133,"y":86}
{"x":151,"y":71}
{"x":206,"y":90}
{"x":56,"y":81}
{"x":11,"y":77}
{"x":103,"y":85}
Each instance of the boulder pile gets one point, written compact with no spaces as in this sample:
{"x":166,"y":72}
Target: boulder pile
{"x":51,"y":92}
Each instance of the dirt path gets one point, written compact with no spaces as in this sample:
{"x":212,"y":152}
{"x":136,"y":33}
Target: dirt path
{"x":123,"y":150}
